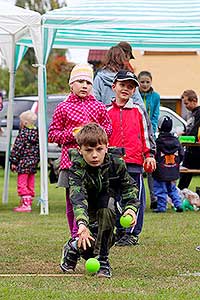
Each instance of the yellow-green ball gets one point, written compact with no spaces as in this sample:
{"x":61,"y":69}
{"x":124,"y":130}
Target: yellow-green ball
{"x":92,"y":265}
{"x":125,"y":221}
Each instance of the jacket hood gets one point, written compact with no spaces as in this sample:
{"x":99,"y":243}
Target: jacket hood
{"x":167,"y":143}
{"x":106,"y":76}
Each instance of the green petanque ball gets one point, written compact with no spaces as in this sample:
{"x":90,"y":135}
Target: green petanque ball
{"x":92,"y":265}
{"x":126,"y":221}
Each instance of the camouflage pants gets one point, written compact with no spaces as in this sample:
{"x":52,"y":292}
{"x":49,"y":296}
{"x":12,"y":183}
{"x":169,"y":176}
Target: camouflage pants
{"x":103,"y":230}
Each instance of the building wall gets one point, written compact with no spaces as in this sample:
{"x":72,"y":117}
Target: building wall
{"x":172,"y":73}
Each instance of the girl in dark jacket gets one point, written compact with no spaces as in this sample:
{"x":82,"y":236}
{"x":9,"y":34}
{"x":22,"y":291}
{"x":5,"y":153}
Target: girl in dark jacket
{"x":24,"y":159}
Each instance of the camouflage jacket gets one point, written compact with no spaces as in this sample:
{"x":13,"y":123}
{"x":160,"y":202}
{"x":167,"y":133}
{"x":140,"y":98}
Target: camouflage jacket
{"x":91,"y":188}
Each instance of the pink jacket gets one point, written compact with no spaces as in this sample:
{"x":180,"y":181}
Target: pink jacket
{"x":74,"y":112}
{"x":130,"y":131}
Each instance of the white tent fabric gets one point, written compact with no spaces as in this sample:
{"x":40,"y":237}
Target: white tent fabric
{"x":146,"y":24}
{"x":16,"y":22}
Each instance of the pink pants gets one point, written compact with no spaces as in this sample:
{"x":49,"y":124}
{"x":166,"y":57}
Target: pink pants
{"x":70,"y":216}
{"x":26,"y":184}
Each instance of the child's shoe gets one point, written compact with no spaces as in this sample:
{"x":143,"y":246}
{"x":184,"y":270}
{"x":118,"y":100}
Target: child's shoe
{"x":105,"y":269}
{"x":70,"y":256}
{"x":127,"y":240}
{"x":25,"y":204}
{"x":179,"y":209}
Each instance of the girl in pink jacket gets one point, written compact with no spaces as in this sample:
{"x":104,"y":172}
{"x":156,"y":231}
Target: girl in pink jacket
{"x":79,"y":109}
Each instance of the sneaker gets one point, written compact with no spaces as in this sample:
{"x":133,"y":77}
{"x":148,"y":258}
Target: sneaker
{"x":179,"y":209}
{"x":158,"y":211}
{"x":128,"y":240}
{"x":105,"y":269}
{"x":23,"y":208}
{"x":70,"y":256}
{"x":153,"y":205}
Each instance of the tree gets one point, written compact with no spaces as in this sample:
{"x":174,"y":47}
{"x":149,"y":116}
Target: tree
{"x":41,"y":6}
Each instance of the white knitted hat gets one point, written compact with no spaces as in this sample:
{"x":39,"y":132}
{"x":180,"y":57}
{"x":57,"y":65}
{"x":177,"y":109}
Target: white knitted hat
{"x":81,"y":72}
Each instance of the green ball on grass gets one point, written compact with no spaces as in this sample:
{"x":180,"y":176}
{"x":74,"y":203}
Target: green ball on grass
{"x":92,"y":265}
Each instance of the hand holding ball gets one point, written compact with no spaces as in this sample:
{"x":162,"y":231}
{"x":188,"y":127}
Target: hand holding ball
{"x":148,"y":168}
{"x":92,"y":265}
{"x":126,"y":221}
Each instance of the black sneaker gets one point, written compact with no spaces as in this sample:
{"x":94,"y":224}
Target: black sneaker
{"x":127,"y":240}
{"x":105,"y":269}
{"x":70,"y":256}
{"x":179,"y":209}
{"x":153,"y":205}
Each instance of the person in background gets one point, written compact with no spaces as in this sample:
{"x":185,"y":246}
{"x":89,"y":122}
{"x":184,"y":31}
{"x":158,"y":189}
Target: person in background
{"x":130,"y":131}
{"x":24,"y":159}
{"x":169,"y":155}
{"x":152,"y":103}
{"x":94,"y":179}
{"x":77,"y":110}
{"x":116,"y":58}
{"x":192,"y":154}
{"x":1,"y":101}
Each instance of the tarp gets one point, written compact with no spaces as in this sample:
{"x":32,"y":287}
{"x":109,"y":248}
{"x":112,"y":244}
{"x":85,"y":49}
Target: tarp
{"x":16,"y":23}
{"x":146,"y":24}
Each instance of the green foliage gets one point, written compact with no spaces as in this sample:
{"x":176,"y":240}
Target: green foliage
{"x":58,"y":72}
{"x":4,"y":80}
{"x":41,"y":6}
{"x":164,"y":266}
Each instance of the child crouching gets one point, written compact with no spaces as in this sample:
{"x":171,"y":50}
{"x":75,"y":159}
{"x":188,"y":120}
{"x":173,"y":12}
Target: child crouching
{"x":95,"y":178}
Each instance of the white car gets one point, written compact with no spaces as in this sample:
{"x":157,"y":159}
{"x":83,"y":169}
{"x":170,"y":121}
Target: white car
{"x":21,"y":104}
{"x":179,"y":124}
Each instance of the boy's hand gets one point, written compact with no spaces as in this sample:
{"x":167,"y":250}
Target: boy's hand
{"x":150,"y":163}
{"x":132,"y":214}
{"x":84,"y":237}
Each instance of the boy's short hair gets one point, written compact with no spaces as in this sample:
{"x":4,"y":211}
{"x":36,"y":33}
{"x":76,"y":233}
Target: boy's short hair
{"x":91,"y":135}
{"x":190,"y":94}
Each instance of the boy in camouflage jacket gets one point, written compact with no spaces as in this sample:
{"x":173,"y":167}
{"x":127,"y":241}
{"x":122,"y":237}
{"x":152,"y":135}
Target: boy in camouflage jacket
{"x":95,"y":178}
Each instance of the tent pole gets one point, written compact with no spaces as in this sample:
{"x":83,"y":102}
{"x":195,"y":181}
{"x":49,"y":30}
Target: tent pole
{"x":9,"y":125}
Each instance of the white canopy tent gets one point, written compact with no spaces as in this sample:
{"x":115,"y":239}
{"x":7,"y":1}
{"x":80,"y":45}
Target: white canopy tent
{"x":172,"y":25}
{"x":16,"y":23}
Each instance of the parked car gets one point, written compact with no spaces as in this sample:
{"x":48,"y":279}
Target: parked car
{"x":21,"y":104}
{"x":179,"y":124}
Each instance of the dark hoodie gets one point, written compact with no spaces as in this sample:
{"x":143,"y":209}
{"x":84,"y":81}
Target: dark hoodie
{"x":168,"y":157}
{"x":25,"y":151}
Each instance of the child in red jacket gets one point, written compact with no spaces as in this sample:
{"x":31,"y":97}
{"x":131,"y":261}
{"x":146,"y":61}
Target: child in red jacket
{"x":130,"y":131}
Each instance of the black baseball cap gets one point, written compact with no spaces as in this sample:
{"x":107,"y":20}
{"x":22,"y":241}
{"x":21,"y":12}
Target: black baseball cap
{"x":123,"y":75}
{"x":126,"y":47}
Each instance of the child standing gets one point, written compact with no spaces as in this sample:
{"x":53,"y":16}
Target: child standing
{"x":152,"y":103}
{"x":168,"y":158}
{"x":79,"y":109}
{"x":95,"y":178}
{"x":130,"y":131}
{"x":24,"y":159}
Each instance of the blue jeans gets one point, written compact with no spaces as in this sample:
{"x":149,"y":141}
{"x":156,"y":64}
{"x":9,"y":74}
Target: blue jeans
{"x":162,"y":189}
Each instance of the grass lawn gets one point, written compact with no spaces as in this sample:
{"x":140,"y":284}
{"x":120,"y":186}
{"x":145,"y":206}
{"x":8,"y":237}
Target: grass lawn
{"x":164,"y":266}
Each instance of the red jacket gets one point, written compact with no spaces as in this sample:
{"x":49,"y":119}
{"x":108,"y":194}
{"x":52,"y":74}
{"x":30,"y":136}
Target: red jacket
{"x":130,"y":131}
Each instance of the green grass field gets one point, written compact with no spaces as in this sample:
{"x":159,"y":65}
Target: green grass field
{"x":164,"y":266}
